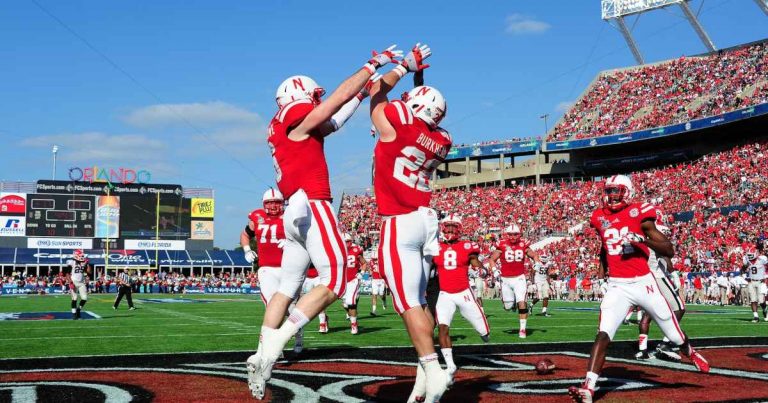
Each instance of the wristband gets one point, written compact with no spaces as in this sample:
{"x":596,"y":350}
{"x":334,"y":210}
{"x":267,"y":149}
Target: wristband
{"x":370,"y":67}
{"x":400,"y":70}
{"x":247,"y":248}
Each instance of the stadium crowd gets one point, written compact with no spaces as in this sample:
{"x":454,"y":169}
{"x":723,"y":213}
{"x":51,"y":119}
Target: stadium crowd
{"x":667,"y":93}
{"x":708,"y":241}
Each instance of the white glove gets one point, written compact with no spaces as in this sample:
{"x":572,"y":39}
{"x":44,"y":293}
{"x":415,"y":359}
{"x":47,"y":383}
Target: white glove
{"x":250,"y":255}
{"x":631,"y":238}
{"x":413,"y":61}
{"x":389,"y":55}
{"x":281,"y":243}
{"x":359,"y":276}
{"x":497,"y":273}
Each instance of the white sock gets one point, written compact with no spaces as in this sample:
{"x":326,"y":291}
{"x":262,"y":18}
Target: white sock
{"x":431,"y":366}
{"x":266,"y":334}
{"x":523,"y":322}
{"x":353,"y":319}
{"x":448,"y":355}
{"x":544,"y":310}
{"x":639,"y":316}
{"x":373,"y":309}
{"x":74,"y":310}
{"x":643,"y":341}
{"x":280,"y":338}
{"x":323,"y":318}
{"x":754,"y":313}
{"x":591,"y":380}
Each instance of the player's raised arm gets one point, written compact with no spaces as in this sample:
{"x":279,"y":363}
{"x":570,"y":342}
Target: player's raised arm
{"x":412,"y":62}
{"x":343,"y":94}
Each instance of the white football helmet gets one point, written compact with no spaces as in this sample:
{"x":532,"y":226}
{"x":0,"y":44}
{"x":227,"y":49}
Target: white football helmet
{"x":513,"y":232}
{"x":298,"y":87}
{"x":273,"y":201}
{"x":618,"y":192}
{"x":427,"y":104}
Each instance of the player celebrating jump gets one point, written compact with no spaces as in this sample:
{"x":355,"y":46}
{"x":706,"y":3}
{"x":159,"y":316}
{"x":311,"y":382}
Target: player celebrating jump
{"x":355,"y":263}
{"x":628,"y":231}
{"x":78,"y":286}
{"x":296,"y":137}
{"x":512,"y":251}
{"x":452,"y":264}
{"x":410,"y":147}
{"x":266,"y":226}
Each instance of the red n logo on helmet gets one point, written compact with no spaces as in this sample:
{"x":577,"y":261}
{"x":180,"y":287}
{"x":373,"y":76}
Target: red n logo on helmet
{"x":422,"y":91}
{"x":297,"y":83}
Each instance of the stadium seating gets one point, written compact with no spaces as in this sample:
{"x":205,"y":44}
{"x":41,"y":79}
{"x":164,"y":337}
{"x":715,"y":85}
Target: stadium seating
{"x":666,"y":93}
{"x":710,"y":241}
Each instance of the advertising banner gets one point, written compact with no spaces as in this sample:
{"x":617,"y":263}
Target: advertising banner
{"x":65,"y":243}
{"x":202,"y":208}
{"x":101,"y":188}
{"x":154,"y":244}
{"x":13,"y":203}
{"x":202,"y":230}
{"x":107,"y":216}
{"x":13,"y":225}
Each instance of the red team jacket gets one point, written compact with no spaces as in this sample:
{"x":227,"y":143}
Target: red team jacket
{"x":354,"y":255}
{"x":513,"y":257}
{"x":453,"y":265}
{"x":269,"y":231}
{"x":404,"y":166}
{"x":611,"y":227}
{"x":298,"y":164}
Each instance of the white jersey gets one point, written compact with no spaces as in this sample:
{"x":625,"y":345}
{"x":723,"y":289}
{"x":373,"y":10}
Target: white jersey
{"x":541,"y":275}
{"x":756,"y":268}
{"x":78,"y":270}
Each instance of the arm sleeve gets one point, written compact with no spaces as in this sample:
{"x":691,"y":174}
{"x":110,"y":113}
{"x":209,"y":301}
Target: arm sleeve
{"x":346,"y":112}
{"x":249,"y":231}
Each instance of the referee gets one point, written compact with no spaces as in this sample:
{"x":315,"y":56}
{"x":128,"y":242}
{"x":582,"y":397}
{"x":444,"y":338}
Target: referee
{"x":124,"y":280}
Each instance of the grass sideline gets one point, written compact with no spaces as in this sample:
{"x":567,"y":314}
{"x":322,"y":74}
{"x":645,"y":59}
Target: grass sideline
{"x":232,"y":322}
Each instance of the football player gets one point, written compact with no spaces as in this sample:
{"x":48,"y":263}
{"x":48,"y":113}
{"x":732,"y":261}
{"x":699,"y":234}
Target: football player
{"x":378,"y":285}
{"x":512,"y":251}
{"x":754,"y":265}
{"x":669,"y":282}
{"x":627,"y":231}
{"x":453,"y":262}
{"x":266,"y":226}
{"x":78,"y":285}
{"x":296,"y":137}
{"x":410,"y":146}
{"x":541,"y":279}
{"x":355,"y":263}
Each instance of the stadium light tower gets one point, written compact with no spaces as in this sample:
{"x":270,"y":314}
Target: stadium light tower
{"x":54,"y":151}
{"x":616,"y":10}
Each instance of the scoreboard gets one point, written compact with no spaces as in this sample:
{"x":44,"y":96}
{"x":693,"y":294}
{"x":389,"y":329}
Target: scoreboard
{"x":57,"y":215}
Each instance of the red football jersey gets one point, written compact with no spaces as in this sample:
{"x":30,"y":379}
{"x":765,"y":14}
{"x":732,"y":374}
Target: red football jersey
{"x":269,"y":232}
{"x":374,"y":265}
{"x":453,"y":265}
{"x":354,"y":256}
{"x":298,"y":164}
{"x":512,"y":257}
{"x":623,"y":262}
{"x":403,"y":167}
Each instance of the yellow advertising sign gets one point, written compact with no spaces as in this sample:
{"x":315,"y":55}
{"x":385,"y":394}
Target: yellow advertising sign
{"x":202,"y":208}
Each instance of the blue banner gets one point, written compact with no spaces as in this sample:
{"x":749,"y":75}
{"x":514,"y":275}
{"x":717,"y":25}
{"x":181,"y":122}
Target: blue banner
{"x":697,"y":124}
{"x":493,"y":149}
{"x":119,"y":257}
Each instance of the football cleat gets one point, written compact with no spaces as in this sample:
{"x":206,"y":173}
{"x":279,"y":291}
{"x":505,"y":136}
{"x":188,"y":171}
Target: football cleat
{"x":74,"y":316}
{"x":353,"y":329}
{"x":256,"y":382}
{"x":436,"y":387}
{"x":323,"y":328}
{"x":298,"y":345}
{"x":664,"y":350}
{"x":546,"y":314}
{"x":485,"y":338}
{"x":522,"y":334}
{"x":133,"y":308}
{"x":419,"y":387}
{"x":451,"y":371}
{"x":755,"y":320}
{"x":699,"y":361}
{"x":642,"y":355}
{"x":581,"y":394}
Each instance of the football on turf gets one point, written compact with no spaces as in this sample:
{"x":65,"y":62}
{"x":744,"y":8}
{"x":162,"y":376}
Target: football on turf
{"x":545,"y":366}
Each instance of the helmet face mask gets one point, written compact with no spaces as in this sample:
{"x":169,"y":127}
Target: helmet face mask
{"x":451,"y":231}
{"x":273,"y":202}
{"x":427,"y":104}
{"x":78,"y":255}
{"x":512,"y":233}
{"x":617,"y":192}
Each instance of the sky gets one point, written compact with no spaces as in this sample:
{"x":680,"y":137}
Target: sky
{"x":185,"y":89}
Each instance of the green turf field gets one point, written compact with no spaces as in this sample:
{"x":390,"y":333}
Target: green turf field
{"x":231,"y":323}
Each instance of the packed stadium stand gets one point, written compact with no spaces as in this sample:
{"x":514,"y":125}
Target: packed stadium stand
{"x":670,"y":92}
{"x":715,"y":205}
